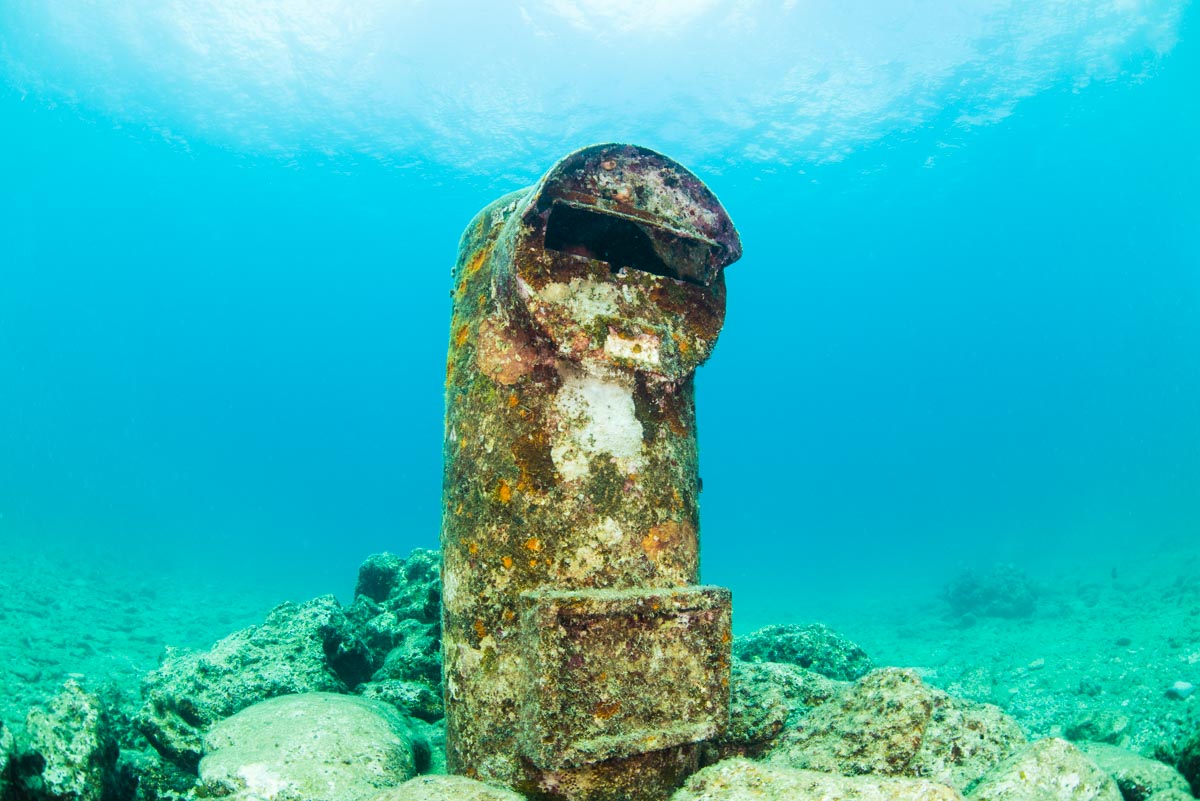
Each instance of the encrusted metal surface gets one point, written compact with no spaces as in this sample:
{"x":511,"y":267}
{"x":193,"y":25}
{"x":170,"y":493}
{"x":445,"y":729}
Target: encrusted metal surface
{"x":613,"y":673}
{"x":582,"y":306}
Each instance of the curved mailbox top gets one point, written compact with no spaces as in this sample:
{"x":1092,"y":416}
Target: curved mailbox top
{"x":620,"y":259}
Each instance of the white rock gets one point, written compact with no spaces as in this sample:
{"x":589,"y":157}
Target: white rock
{"x":1180,"y":690}
{"x":1046,"y":770}
{"x":308,"y":747}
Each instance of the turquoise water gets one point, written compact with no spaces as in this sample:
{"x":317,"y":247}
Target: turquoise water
{"x":966,"y":328}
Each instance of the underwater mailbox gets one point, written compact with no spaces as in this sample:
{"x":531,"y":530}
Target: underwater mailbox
{"x":582,"y":660}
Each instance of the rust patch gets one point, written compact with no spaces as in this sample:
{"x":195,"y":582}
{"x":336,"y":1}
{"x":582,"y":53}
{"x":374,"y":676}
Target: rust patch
{"x":606,"y":709}
{"x":478,"y":259}
{"x":669,"y":538}
{"x":504,"y":355}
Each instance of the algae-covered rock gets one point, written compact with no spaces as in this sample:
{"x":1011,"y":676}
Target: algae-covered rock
{"x":6,"y":753}
{"x":310,"y":647}
{"x":890,"y":723}
{"x":72,"y":750}
{"x":410,"y":698}
{"x":416,"y":656}
{"x":1004,"y":591}
{"x":814,"y":647}
{"x":1189,"y":761}
{"x":388,"y":637}
{"x":146,"y":776}
{"x":1171,"y":795}
{"x":743,"y":780}
{"x":802,"y":689}
{"x":308,"y":747}
{"x":397,"y":611}
{"x":757,"y":710}
{"x":1046,"y":770}
{"x":446,"y":788}
{"x":765,"y":697}
{"x":409,"y":588}
{"x":1137,"y":777}
{"x":1098,"y":726}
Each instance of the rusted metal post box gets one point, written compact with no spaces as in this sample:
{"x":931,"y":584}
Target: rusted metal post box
{"x":582,"y":661}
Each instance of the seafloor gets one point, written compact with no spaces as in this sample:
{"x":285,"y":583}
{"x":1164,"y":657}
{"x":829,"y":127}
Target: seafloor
{"x":1085,"y":654}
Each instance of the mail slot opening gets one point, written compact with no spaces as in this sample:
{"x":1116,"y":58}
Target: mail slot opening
{"x":617,"y":241}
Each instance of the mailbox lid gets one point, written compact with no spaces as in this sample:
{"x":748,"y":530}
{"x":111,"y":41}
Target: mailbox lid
{"x":620,"y":259}
{"x":614,"y":673}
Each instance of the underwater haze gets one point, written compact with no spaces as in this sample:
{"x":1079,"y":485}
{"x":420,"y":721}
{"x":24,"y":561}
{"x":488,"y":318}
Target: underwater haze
{"x":965,"y":330}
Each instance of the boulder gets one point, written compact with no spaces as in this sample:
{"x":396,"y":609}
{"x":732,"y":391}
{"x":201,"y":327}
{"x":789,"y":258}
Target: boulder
{"x":1098,"y":726}
{"x":1046,"y":770}
{"x":1004,"y":591}
{"x":446,"y":788}
{"x":889,"y":723}
{"x":409,"y":588}
{"x":416,"y":655}
{"x":813,"y":647}
{"x":1189,"y":761}
{"x":308,"y":747}
{"x":1137,"y":776}
{"x":414,"y":699}
{"x":7,"y":745}
{"x":310,"y":647}
{"x":743,"y":780}
{"x":71,"y":749}
{"x":146,"y":776}
{"x":765,"y":697}
{"x":1171,"y":795}
{"x":397,"y":611}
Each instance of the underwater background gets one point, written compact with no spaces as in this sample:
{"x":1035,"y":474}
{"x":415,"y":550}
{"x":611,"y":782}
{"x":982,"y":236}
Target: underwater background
{"x":965,"y":331}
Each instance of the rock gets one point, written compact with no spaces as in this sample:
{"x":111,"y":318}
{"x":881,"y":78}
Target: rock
{"x":397,"y":610}
{"x":743,"y":780}
{"x":1172,"y":795}
{"x":146,"y":776}
{"x":1189,"y":761}
{"x":435,"y":735}
{"x":757,"y":709}
{"x":410,"y":698}
{"x":814,"y":647}
{"x":416,"y":657}
{"x":310,"y":647}
{"x":378,"y":576}
{"x":446,"y":788}
{"x":409,"y":588}
{"x":6,"y":752}
{"x":1180,"y":690}
{"x":1005,"y":591}
{"x":72,"y":751}
{"x":390,"y":634}
{"x":1098,"y":726}
{"x":890,"y":723}
{"x":764,"y":698}
{"x":1137,"y":777}
{"x":308,"y":747}
{"x":1046,"y":770}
